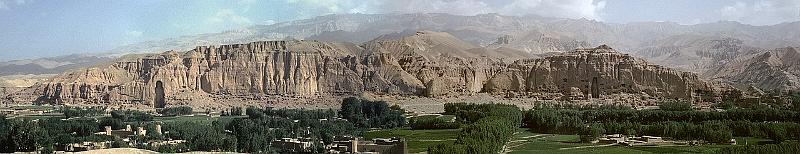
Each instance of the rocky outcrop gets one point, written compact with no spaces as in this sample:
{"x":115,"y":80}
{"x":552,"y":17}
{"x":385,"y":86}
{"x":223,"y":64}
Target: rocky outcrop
{"x":777,"y":69}
{"x":431,"y":64}
{"x":695,"y":53}
{"x":285,"y":68}
{"x":535,"y":42}
{"x":596,"y":73}
{"x":447,"y":65}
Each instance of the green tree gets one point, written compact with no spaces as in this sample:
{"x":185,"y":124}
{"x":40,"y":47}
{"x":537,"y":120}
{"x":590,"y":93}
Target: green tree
{"x":776,"y":133}
{"x":592,"y":132}
{"x":5,"y":135}
{"x":796,"y":100}
{"x":675,"y":106}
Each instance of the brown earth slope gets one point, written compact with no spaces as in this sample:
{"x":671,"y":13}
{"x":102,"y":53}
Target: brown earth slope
{"x":777,"y":69}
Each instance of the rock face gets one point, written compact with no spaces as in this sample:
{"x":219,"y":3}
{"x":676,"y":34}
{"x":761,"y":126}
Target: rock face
{"x":777,"y":69}
{"x":595,"y":73}
{"x":286,"y":68}
{"x":446,"y":65}
{"x":695,"y":53}
{"x":535,"y":42}
{"x":425,"y":63}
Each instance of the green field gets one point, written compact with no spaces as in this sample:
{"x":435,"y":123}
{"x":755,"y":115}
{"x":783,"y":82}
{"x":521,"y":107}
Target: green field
{"x":418,"y":140}
{"x":527,"y":142}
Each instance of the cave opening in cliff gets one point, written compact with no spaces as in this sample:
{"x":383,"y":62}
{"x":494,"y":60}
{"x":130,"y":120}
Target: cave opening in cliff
{"x":159,"y":99}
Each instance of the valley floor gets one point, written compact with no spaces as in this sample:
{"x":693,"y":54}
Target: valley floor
{"x":528,"y":142}
{"x":525,"y":142}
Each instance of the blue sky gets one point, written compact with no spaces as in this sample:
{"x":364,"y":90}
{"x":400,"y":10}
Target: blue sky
{"x":42,"y":28}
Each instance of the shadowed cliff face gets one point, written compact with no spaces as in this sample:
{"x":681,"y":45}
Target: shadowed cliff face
{"x":428,"y":64}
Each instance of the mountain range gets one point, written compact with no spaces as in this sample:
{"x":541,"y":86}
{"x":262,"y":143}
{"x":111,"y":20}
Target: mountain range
{"x":422,"y":64}
{"x":717,"y":51}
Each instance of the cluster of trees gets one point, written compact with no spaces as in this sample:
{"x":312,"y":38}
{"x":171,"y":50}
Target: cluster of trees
{"x":493,"y":126}
{"x":23,"y":136}
{"x":254,"y":133}
{"x":45,"y":135}
{"x":71,"y":112}
{"x":767,"y":148}
{"x":200,"y":136}
{"x":470,"y":113}
{"x":675,"y":106}
{"x":372,"y":114}
{"x":176,"y":111}
{"x":432,"y":122}
{"x":796,"y":101}
{"x":131,"y":115}
{"x":718,"y":127}
{"x":235,"y":111}
{"x":48,"y":134}
{"x":654,"y":116}
{"x":251,"y":134}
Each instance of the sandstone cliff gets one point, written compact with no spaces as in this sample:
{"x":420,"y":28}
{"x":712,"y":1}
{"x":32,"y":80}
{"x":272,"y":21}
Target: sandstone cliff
{"x":285,"y":68}
{"x":425,"y":63}
{"x":596,"y":73}
{"x":445,"y":64}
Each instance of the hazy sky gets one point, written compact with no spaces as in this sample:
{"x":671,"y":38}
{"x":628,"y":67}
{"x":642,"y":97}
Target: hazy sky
{"x":40,"y":28}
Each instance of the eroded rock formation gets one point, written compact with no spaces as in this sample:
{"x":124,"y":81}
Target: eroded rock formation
{"x":594,"y":73}
{"x":285,"y":68}
{"x":430,"y":64}
{"x":777,"y":69}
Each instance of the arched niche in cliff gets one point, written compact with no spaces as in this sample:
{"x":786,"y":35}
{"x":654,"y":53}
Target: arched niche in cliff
{"x":159,"y":101}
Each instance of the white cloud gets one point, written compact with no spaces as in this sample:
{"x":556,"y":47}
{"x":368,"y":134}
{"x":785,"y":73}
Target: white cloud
{"x":228,"y":16}
{"x":3,"y":5}
{"x":133,"y":33}
{"x":268,"y":22}
{"x":8,"y":4}
{"x":557,"y":8}
{"x":762,"y":12}
{"x":21,"y":2}
{"x":329,"y":6}
{"x":591,"y":9}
